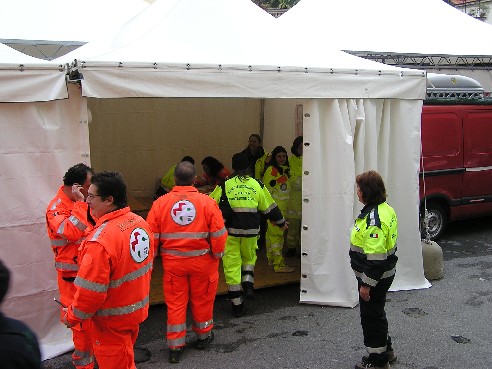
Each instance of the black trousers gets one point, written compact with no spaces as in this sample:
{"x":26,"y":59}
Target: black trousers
{"x":374,"y":322}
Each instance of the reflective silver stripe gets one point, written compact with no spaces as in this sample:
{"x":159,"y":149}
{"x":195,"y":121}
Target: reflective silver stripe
{"x":234,"y":287}
{"x":218,"y":233}
{"x":389,"y":273}
{"x":59,"y":242}
{"x":131,"y":276}
{"x":248,"y":267}
{"x":278,"y":221}
{"x":185,"y":253}
{"x":269,"y":209}
{"x":371,"y":282}
{"x":176,"y":327}
{"x":248,"y":278}
{"x":244,"y":231}
{"x":58,"y":201}
{"x":80,"y":314}
{"x":91,"y":286}
{"x":124,"y":309}
{"x":156,"y":236}
{"x":356,"y":249}
{"x":184,"y":235}
{"x":95,"y":236}
{"x":373,"y":256}
{"x":67,"y":266}
{"x":372,"y":218}
{"x":218,"y":254}
{"x":376,"y":350}
{"x":61,"y":228}
{"x":203,"y":325}
{"x":178,"y":342}
{"x":245,"y":210}
{"x":77,"y":222}
{"x":237,"y":300}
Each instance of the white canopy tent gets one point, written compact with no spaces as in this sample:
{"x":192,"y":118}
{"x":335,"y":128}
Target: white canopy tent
{"x":50,"y":28}
{"x":358,"y":115}
{"x":424,"y":34}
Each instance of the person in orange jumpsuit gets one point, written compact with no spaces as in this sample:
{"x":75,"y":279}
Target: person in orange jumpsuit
{"x":68,"y":220}
{"x":113,"y":282}
{"x":192,"y":236}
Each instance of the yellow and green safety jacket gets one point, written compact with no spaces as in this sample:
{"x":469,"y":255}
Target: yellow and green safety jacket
{"x":373,"y":244}
{"x":294,"y":205}
{"x":277,"y":183}
{"x":248,"y":198}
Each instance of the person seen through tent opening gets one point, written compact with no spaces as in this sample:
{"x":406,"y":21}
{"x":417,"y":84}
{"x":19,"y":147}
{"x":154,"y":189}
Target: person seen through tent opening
{"x":294,"y":204}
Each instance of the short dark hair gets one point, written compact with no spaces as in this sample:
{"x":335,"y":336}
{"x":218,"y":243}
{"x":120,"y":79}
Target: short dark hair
{"x":184,"y":174}
{"x":295,"y":145}
{"x":111,"y":184}
{"x":188,"y":159}
{"x":77,"y":174}
{"x":257,"y":136}
{"x":4,"y":280}
{"x":371,"y":186}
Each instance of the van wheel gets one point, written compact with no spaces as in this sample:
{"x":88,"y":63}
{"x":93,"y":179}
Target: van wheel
{"x":436,"y":221}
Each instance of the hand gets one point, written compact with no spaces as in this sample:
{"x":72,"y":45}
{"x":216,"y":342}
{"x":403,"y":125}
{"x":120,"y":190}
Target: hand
{"x":285,"y":226}
{"x":65,"y":319}
{"x":364,"y":292}
{"x":77,"y":192}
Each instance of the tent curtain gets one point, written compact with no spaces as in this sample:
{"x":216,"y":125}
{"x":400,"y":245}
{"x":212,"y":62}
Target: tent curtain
{"x":39,"y":142}
{"x":353,"y":136}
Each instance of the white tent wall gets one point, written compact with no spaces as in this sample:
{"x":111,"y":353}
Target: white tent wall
{"x":39,"y":141}
{"x":346,"y":137}
{"x":143,"y":138}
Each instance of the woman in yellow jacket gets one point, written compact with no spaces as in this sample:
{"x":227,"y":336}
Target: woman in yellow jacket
{"x":276,"y":180}
{"x":294,"y":205}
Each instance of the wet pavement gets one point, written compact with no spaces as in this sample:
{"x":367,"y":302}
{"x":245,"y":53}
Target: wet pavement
{"x":445,"y":326}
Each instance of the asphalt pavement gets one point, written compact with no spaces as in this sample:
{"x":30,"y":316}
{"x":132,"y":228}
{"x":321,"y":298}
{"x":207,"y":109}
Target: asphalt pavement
{"x":445,"y":326}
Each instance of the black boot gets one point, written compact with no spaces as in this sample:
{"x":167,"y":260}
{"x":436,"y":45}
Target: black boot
{"x":249,"y":291}
{"x":238,"y":310}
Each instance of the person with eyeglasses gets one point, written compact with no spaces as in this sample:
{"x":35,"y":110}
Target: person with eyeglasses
{"x":68,"y":220}
{"x":113,"y":282}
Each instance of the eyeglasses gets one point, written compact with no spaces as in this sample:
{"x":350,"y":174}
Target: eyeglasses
{"x":91,"y":196}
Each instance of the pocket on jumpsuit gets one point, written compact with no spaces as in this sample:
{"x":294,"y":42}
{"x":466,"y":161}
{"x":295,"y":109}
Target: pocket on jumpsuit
{"x":112,"y":354}
{"x":212,"y":285}
{"x":168,"y":284}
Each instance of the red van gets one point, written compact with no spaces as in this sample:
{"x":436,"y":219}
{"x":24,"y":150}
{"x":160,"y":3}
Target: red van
{"x":456,"y":163}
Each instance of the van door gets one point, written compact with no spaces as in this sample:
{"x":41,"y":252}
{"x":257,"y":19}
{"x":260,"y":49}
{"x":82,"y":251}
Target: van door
{"x":477,"y":181}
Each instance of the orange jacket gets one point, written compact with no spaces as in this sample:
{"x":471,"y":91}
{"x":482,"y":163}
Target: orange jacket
{"x":113,"y":282}
{"x":67,"y":223}
{"x":187,"y":223}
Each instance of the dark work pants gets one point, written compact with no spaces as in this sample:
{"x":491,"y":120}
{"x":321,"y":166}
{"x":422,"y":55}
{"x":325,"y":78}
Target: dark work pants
{"x":374,"y":322}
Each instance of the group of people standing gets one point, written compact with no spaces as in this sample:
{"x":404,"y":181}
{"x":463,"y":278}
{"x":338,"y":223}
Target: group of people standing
{"x":104,"y":253}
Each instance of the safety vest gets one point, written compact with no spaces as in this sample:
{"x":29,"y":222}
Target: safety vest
{"x":113,"y":282}
{"x":260,"y":165}
{"x":373,"y":244}
{"x":277,"y":184}
{"x":294,"y":205}
{"x":248,"y":198}
{"x":187,"y":223}
{"x":167,"y":180}
{"x":67,"y":224}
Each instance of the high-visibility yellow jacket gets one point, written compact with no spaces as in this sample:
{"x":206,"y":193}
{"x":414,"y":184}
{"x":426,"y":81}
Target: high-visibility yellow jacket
{"x":248,"y":198}
{"x":167,"y":181}
{"x":294,"y":205}
{"x":373,"y":244}
{"x":113,"y":281}
{"x":277,"y":183}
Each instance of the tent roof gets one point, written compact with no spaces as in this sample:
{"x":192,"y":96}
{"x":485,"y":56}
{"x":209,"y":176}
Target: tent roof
{"x":217,"y":48}
{"x":24,"y":78}
{"x":429,"y":27}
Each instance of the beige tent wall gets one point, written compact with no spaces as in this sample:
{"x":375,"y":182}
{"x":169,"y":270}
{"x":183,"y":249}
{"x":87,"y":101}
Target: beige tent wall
{"x":143,"y":138}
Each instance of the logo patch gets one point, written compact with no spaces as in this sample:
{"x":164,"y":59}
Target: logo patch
{"x":373,"y":235}
{"x":183,"y":212}
{"x":139,"y":245}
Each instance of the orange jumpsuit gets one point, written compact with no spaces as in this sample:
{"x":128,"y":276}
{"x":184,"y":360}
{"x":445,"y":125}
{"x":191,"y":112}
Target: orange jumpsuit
{"x":192,"y":235}
{"x":113,"y":286}
{"x":67,"y":223}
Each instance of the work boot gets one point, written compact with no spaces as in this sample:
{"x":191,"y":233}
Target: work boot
{"x":204,"y":343}
{"x":249,"y":291}
{"x":391,"y":357}
{"x":367,"y":365}
{"x":238,"y":310}
{"x":175,"y":355}
{"x":284,"y":269}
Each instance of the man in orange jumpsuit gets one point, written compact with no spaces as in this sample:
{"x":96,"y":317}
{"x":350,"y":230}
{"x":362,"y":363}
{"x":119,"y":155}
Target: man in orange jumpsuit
{"x":113,"y":282}
{"x":192,"y":235}
{"x":68,"y":221}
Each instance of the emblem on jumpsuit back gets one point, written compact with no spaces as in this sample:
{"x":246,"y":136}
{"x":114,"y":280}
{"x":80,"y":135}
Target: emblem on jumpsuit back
{"x":139,"y":245}
{"x":183,"y":212}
